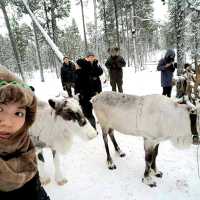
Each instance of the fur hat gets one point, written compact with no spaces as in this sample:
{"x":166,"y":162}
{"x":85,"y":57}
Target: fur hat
{"x":14,"y":89}
{"x":89,"y":53}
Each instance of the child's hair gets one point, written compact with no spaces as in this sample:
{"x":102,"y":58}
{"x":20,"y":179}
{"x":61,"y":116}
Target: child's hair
{"x":14,"y":90}
{"x":11,"y":93}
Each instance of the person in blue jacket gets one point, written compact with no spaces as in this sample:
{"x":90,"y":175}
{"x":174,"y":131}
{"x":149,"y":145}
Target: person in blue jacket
{"x":167,"y":66}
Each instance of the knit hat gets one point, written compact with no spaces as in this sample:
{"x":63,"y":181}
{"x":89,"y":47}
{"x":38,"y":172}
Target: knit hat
{"x":17,"y":154}
{"x":89,"y":53}
{"x":14,"y":89}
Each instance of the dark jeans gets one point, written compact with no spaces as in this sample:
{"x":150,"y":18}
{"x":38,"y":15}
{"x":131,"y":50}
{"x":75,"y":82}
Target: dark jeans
{"x":116,"y":81}
{"x":87,"y":108}
{"x":193,"y":120}
{"x":68,"y":88}
{"x":167,"y":91}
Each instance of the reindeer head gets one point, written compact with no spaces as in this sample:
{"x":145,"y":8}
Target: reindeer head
{"x":68,"y":108}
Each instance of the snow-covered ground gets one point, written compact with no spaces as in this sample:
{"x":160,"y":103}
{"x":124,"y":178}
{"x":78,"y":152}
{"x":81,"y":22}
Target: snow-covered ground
{"x":85,"y":165}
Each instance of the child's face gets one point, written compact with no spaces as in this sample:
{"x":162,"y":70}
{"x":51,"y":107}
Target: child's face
{"x":12,"y":118}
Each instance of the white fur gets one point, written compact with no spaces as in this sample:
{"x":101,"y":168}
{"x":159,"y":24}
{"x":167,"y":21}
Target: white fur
{"x":154,"y":117}
{"x":57,"y":133}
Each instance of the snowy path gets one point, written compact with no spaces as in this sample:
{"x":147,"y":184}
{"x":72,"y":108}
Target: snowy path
{"x":85,"y":165}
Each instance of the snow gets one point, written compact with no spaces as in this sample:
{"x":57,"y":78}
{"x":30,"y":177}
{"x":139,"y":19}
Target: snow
{"x":85,"y":164}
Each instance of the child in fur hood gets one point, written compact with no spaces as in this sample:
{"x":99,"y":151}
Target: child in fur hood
{"x":19,"y":177}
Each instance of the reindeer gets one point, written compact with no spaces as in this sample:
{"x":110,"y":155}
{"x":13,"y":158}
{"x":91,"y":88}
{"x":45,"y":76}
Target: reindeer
{"x":56,"y":123}
{"x":154,"y":117}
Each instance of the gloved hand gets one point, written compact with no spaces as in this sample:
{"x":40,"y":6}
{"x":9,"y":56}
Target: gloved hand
{"x":95,"y":62}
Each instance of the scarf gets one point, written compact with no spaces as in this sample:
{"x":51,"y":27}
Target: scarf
{"x":17,"y":161}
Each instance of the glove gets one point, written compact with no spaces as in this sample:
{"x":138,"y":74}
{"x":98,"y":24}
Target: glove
{"x":95,"y":62}
{"x":175,"y":65}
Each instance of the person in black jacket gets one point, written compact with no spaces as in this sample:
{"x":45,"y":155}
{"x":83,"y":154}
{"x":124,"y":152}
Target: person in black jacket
{"x":88,"y":83}
{"x":114,"y":65}
{"x":19,"y":177}
{"x":67,"y":75}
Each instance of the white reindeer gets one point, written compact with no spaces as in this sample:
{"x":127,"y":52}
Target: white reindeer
{"x":56,"y":123}
{"x":154,"y":117}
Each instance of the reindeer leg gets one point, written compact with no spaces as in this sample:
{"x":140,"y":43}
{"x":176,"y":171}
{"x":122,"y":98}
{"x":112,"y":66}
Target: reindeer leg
{"x":110,"y":163}
{"x":59,"y":177}
{"x":149,"y":150}
{"x":153,"y":165}
{"x":112,"y":137}
{"x":44,"y":177}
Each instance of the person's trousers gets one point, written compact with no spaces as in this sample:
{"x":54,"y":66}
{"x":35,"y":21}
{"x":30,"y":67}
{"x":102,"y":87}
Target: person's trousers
{"x":116,"y":80}
{"x":167,"y":91}
{"x":87,"y":108}
{"x":68,"y":88}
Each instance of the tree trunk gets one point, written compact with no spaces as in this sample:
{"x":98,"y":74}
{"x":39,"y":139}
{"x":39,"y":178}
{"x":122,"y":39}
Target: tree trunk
{"x":50,"y":52}
{"x":95,"y":26}
{"x":54,"y":33}
{"x":116,"y":21}
{"x":134,"y":37}
{"x":38,"y":53}
{"x":12,"y":40}
{"x":180,"y":28}
{"x":84,"y":29}
{"x":127,"y":35}
{"x":47,"y":38}
{"x":105,"y":24}
{"x":123,"y":31}
{"x":196,"y":39}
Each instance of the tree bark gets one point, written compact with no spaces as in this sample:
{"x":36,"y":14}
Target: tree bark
{"x":134,"y":37}
{"x":105,"y":24}
{"x":180,"y":28}
{"x":38,"y":52}
{"x":116,"y":22}
{"x":45,"y":35}
{"x":84,"y":29}
{"x":12,"y":39}
{"x":95,"y":26}
{"x":128,"y":43}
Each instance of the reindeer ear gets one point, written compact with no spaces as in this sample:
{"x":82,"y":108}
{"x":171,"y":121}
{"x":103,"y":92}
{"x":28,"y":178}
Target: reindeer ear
{"x":52,"y":103}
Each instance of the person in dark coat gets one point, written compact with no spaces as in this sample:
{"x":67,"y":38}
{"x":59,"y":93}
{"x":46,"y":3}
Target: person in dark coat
{"x":67,"y":75}
{"x":114,"y":65}
{"x":19,"y":178}
{"x":88,"y":83}
{"x":167,"y":66}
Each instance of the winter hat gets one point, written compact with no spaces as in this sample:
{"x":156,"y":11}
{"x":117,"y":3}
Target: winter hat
{"x":89,"y":53}
{"x":14,"y":89}
{"x":17,"y":154}
{"x":114,"y":51}
{"x":65,"y":57}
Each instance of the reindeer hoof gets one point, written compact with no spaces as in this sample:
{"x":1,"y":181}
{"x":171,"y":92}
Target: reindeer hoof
{"x":111,"y":165}
{"x":122,"y":154}
{"x":62,"y":182}
{"x":148,"y":181}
